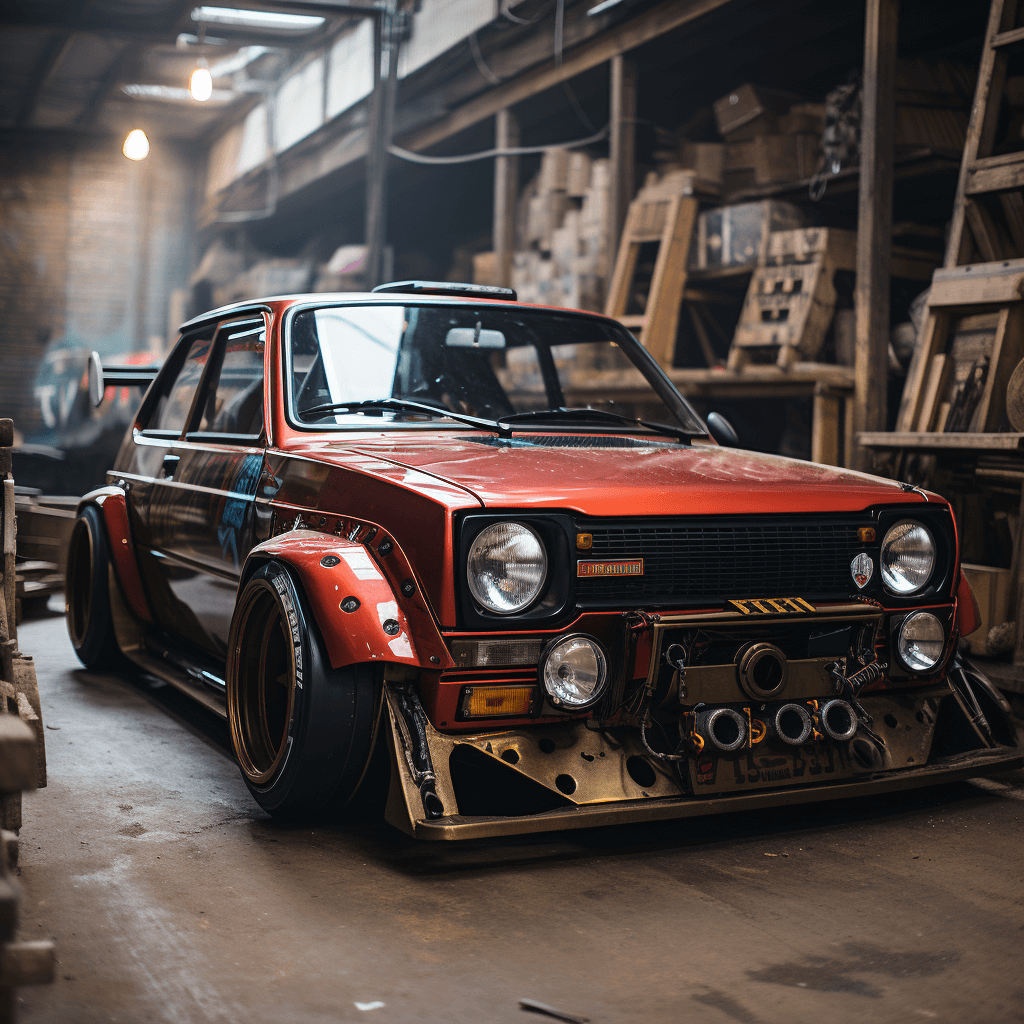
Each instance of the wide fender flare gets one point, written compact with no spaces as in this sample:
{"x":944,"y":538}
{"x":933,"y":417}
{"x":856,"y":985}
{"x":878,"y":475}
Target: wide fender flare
{"x":388,"y":625}
{"x":968,"y":614}
{"x":113,"y":506}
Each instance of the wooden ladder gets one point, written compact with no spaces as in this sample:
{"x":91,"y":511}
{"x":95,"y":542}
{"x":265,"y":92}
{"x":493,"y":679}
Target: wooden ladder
{"x":983,"y":276}
{"x":664,"y":213}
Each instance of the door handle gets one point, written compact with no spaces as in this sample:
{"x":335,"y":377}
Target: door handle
{"x":170,"y":465}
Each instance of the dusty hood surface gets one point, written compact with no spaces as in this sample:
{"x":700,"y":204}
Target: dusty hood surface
{"x":662,"y":480}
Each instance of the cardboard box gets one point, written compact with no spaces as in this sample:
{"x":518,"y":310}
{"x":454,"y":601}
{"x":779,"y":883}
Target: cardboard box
{"x":546,"y":213}
{"x":577,"y":179}
{"x":739,"y":156}
{"x":803,"y":118}
{"x":784,"y":157}
{"x":751,"y":110}
{"x":706,"y":158}
{"x":991,"y":588}
{"x":554,"y":169}
{"x":485,"y":268}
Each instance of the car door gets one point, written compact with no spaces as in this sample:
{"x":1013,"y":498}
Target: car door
{"x":155,"y":454}
{"x":201,"y":509}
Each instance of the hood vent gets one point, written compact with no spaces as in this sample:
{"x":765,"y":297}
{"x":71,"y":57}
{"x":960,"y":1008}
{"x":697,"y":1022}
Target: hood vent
{"x":571,"y":441}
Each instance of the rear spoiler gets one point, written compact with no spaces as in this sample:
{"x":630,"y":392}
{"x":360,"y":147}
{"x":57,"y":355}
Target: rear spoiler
{"x":102,"y":377}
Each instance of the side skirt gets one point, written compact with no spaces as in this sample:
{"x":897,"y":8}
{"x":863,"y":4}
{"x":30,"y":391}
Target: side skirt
{"x":160,"y":660}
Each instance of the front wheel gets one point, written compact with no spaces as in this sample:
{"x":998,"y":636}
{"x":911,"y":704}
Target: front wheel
{"x":303,"y":732}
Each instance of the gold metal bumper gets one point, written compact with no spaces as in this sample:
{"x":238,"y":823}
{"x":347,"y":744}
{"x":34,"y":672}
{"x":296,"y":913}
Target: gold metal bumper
{"x":605,"y":792}
{"x":456,"y":827}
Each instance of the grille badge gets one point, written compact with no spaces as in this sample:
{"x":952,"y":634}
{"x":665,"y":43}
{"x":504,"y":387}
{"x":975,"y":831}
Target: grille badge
{"x":861,"y":569}
{"x":630,"y":567}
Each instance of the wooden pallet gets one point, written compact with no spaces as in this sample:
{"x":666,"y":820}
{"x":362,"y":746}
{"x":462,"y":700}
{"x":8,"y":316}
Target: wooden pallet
{"x":791,"y":299}
{"x":664,"y":213}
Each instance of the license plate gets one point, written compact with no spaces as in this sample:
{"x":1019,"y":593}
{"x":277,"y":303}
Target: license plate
{"x":763,"y":767}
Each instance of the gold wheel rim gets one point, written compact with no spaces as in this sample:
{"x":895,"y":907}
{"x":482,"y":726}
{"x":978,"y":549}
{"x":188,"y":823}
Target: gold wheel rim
{"x":261,"y":686}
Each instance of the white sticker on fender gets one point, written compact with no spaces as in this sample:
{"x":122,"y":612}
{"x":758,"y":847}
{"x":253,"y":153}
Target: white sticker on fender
{"x":361,"y":564}
{"x":400,"y":647}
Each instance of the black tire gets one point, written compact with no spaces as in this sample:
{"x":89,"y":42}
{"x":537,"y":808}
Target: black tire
{"x":87,"y":593}
{"x":303,"y":732}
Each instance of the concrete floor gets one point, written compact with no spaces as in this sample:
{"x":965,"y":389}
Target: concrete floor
{"x":171,"y":897}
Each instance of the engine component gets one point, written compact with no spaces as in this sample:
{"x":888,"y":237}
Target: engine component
{"x":763,"y":671}
{"x":838,"y":719}
{"x":792,"y":724}
{"x":723,"y":728}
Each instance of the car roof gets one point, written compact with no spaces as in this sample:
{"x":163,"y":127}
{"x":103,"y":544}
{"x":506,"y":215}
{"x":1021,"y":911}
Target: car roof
{"x":377,"y":298}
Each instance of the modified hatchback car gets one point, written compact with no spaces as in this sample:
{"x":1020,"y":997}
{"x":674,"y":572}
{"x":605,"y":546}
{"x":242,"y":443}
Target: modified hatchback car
{"x":409,"y":538}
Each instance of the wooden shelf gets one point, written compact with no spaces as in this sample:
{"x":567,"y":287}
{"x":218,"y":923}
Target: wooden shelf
{"x":754,"y":376}
{"x":910,"y":164}
{"x":962,"y":442}
{"x":768,"y":381}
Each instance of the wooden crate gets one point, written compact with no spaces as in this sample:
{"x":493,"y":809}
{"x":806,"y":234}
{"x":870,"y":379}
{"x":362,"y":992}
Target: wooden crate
{"x":737,"y":235}
{"x":750,"y":110}
{"x":791,"y":299}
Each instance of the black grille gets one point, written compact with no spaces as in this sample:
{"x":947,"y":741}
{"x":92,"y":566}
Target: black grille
{"x":718,"y":561}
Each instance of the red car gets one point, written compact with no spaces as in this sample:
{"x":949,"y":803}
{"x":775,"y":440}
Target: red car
{"x":408,"y":532}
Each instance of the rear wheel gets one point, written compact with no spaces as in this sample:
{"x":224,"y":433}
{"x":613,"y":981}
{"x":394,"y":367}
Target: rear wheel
{"x":87,"y":593}
{"x":303,"y":732}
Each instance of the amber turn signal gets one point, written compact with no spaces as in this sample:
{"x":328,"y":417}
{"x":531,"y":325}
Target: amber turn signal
{"x":866,"y":534}
{"x":497,"y":701}
{"x":584,"y":541}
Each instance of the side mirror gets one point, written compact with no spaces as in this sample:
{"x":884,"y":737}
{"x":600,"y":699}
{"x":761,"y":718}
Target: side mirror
{"x":96,"y":388}
{"x":722,"y":430}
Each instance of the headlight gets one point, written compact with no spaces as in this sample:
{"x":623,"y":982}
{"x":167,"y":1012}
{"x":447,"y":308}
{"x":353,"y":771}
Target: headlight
{"x":921,"y":641}
{"x":574,"y":672}
{"x":908,"y":557}
{"x":506,"y":567}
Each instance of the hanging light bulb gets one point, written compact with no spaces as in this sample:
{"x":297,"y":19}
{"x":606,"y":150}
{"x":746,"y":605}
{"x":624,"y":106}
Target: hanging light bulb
{"x":136,"y":145}
{"x":200,"y":84}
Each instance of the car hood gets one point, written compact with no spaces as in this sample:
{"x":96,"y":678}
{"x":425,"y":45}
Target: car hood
{"x":653,"y":479}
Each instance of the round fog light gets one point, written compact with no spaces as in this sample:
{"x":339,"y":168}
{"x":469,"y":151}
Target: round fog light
{"x":574,"y":672}
{"x":921,"y":641}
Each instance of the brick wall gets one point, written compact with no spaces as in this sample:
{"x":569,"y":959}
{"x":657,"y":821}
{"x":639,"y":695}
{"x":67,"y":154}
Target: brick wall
{"x":91,"y":245}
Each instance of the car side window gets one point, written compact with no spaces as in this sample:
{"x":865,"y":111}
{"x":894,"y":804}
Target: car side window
{"x":178,"y":389}
{"x":233,"y":396}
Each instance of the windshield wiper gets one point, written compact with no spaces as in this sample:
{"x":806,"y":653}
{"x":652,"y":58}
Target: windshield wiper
{"x":401,"y":405}
{"x":563,"y":413}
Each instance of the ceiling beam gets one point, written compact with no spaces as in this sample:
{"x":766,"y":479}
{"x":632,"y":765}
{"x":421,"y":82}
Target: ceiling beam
{"x":51,"y":58}
{"x":643,"y":28}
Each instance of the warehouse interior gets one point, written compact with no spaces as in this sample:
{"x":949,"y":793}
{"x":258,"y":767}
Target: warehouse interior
{"x":810,"y":215}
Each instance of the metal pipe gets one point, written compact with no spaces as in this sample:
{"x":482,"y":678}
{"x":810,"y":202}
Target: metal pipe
{"x":792,"y":724}
{"x":838,"y":719}
{"x":723,"y":727}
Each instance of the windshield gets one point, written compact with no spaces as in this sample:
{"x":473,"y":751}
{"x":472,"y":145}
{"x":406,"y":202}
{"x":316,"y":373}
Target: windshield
{"x":486,"y":362}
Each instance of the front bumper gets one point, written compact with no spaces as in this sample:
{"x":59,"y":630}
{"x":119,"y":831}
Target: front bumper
{"x":608,"y":777}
